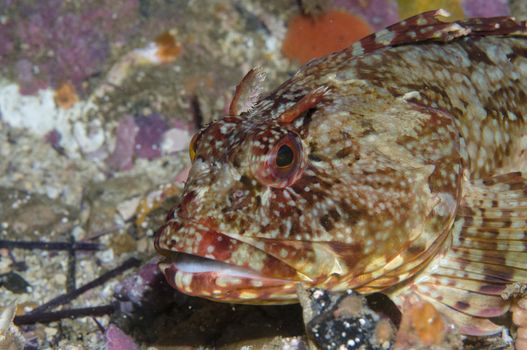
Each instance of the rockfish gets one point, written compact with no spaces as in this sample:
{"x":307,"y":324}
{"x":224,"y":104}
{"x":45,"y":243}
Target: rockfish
{"x":394,"y":166}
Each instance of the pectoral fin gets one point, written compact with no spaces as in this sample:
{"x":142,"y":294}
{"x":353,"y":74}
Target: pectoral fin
{"x":488,"y":253}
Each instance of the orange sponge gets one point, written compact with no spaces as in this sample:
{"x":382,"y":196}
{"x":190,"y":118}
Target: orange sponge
{"x":310,"y":37}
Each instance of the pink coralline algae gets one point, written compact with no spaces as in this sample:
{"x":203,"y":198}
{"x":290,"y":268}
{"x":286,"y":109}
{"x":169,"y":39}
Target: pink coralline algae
{"x":76,"y":48}
{"x":138,"y":137}
{"x":134,"y":287}
{"x":56,"y":44}
{"x":485,"y":8}
{"x":122,"y":156}
{"x":116,"y":339}
{"x":7,"y":44}
{"x":29,"y":82}
{"x":148,"y":139}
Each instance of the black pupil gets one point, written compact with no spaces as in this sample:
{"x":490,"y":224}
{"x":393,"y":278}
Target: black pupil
{"x":285,"y":156}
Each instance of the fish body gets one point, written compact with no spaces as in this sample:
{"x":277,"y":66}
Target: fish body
{"x":394,"y":165}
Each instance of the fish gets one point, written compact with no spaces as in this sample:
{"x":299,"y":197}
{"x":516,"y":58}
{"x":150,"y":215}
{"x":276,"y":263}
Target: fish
{"x":397,"y":165}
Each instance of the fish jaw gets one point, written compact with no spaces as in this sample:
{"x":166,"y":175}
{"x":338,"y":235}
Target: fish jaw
{"x":203,"y":262}
{"x":218,"y":281}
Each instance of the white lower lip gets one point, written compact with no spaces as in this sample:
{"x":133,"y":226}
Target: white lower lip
{"x":195,"y":264}
{"x":224,"y":282}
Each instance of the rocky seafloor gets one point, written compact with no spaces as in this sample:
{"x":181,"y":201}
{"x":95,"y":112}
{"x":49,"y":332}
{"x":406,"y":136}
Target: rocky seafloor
{"x":98,"y":102}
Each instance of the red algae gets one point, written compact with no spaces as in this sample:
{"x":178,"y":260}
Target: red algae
{"x":311,"y":37}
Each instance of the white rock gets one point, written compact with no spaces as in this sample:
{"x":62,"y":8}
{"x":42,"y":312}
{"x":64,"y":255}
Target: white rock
{"x":128,"y":208}
{"x":40,"y":115}
{"x":175,"y":140}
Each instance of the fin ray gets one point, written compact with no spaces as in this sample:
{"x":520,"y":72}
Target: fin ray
{"x":488,"y":252}
{"x":469,"y":285}
{"x":467,"y":302}
{"x":467,"y":324}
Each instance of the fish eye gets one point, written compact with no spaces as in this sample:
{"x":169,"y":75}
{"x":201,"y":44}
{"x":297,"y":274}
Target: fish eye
{"x":284,"y":156}
{"x":192,"y":147}
{"x":283,"y":164}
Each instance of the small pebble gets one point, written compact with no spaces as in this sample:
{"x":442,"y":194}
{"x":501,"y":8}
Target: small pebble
{"x":50,"y":332}
{"x":128,"y":208}
{"x":60,"y":278}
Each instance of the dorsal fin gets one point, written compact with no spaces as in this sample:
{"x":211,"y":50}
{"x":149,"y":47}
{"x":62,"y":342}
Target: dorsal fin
{"x":428,"y":27}
{"x":247,"y":92}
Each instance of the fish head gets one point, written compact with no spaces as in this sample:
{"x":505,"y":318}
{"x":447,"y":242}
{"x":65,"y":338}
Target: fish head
{"x":326,"y":189}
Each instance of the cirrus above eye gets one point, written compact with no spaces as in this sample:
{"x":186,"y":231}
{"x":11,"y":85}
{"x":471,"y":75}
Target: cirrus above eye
{"x":283,"y":164}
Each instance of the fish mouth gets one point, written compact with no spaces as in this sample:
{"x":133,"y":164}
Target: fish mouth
{"x":212,"y":279}
{"x":203,"y":262}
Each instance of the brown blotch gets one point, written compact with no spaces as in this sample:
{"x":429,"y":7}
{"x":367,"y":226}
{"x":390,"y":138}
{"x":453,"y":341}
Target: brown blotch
{"x":517,"y":186}
{"x":311,"y":196}
{"x":351,"y":215}
{"x":367,"y":127}
{"x":415,"y":250}
{"x":343,"y":153}
{"x":326,"y":222}
{"x":464,"y":102}
{"x":350,"y":254}
{"x":475,"y":54}
{"x":517,"y":52}
{"x":466,"y":211}
{"x":258,"y":200}
{"x":334,"y":214}
{"x":468,"y":221}
{"x":507,"y":223}
{"x":246,"y":181}
{"x":274,"y":267}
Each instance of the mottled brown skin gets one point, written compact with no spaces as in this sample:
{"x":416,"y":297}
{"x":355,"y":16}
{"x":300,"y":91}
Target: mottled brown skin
{"x":390,"y":135}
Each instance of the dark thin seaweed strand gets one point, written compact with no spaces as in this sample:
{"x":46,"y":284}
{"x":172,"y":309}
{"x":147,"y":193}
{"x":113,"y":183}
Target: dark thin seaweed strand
{"x":33,"y":245}
{"x":99,"y":325}
{"x":65,"y":298}
{"x":48,"y":317}
{"x":72,"y":267}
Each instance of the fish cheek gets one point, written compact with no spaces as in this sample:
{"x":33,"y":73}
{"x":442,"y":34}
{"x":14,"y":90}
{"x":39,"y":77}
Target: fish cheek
{"x":437,"y":143}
